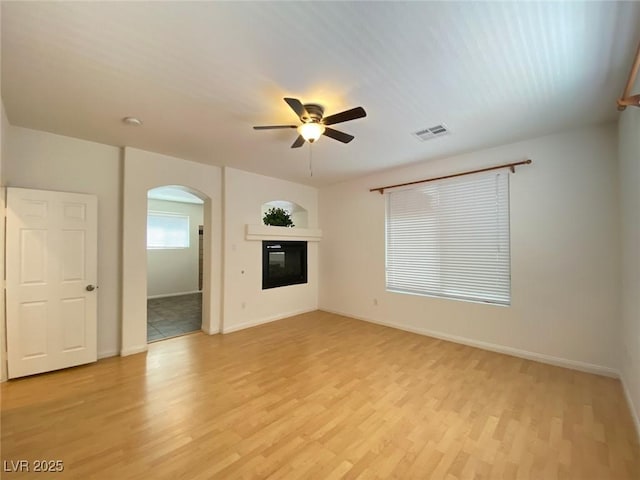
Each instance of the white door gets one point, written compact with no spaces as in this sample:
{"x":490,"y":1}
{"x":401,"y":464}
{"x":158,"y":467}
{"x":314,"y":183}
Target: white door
{"x":51,"y":262}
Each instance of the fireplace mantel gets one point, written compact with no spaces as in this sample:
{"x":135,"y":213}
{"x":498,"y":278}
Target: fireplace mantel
{"x":268,"y":232}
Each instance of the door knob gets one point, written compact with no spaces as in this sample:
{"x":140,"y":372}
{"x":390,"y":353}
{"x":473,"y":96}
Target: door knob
{"x":90,"y":288}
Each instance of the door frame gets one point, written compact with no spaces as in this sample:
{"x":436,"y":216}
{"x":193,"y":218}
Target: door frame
{"x":142,"y":172}
{"x":4,"y":362}
{"x":202,"y":238}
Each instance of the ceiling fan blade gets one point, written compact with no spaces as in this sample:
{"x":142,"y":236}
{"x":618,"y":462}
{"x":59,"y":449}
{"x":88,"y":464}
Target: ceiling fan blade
{"x":271,"y":127}
{"x":296,"y":106}
{"x":345,"y":116}
{"x":337,"y":135}
{"x":298,"y":143}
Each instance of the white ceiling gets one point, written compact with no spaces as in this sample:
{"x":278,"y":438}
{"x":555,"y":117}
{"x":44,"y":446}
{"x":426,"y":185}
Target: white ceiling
{"x":201,"y":74}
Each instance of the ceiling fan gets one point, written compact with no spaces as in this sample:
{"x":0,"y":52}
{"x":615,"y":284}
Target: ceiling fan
{"x":314,"y":124}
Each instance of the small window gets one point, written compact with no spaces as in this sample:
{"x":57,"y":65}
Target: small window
{"x":167,"y":230}
{"x":451,"y":239}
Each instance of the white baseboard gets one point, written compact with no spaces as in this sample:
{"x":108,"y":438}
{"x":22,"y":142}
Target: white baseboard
{"x":514,"y":352}
{"x":164,"y":295}
{"x":255,"y":323}
{"x":107,"y":354}
{"x":133,"y":350}
{"x":634,"y":411}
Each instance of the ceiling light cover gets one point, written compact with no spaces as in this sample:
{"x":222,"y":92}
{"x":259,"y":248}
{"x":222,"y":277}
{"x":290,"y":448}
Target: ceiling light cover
{"x":136,"y":122}
{"x":311,"y":131}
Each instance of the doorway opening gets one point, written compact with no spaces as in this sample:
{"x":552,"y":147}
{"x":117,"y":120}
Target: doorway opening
{"x":175,"y":239}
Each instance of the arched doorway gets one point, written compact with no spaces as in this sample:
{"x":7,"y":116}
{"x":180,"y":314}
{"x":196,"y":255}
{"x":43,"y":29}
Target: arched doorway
{"x":175,"y":261}
{"x":143,"y":171}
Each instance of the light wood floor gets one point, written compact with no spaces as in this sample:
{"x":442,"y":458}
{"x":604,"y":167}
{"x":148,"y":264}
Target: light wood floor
{"x":320,"y":396}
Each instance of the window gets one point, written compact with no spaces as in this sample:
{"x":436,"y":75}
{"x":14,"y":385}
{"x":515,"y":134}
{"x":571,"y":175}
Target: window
{"x":167,"y":230}
{"x":451,"y":239}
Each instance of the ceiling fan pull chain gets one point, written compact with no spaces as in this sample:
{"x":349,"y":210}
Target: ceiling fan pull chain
{"x":311,"y":159}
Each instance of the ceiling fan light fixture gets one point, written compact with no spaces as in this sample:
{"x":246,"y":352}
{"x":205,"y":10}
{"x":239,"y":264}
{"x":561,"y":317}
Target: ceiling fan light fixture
{"x":314,"y":123}
{"x":311,"y":131}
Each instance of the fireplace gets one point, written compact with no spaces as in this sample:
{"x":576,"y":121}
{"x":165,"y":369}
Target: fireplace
{"x":283,"y":263}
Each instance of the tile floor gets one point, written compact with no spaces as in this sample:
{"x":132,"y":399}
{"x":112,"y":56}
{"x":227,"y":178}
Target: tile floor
{"x":173,"y":316}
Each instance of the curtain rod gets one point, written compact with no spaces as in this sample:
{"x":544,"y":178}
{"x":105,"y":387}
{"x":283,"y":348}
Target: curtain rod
{"x":627,"y":99}
{"x":511,"y":166}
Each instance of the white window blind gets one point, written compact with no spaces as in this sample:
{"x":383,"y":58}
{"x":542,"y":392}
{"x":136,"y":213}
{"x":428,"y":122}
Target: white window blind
{"x":451,"y":239}
{"x":167,"y":230}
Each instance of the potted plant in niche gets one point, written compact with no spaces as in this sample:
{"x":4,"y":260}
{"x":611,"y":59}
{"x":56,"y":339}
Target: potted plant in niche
{"x":278,"y":217}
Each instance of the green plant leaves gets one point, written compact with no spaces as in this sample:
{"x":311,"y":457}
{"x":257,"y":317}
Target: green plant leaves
{"x":278,"y":217}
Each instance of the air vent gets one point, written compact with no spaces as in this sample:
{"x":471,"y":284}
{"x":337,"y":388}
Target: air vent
{"x":432,"y":132}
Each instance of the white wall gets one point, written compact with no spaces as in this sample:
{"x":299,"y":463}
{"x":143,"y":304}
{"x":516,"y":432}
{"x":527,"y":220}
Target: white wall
{"x":175,"y":270}
{"x":45,"y":161}
{"x":121,"y":179}
{"x":629,"y":151}
{"x":245,"y":303}
{"x":143,"y":171}
{"x":564,"y":243}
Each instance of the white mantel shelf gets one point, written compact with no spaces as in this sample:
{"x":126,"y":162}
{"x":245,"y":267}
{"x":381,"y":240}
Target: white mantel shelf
{"x":268,"y":232}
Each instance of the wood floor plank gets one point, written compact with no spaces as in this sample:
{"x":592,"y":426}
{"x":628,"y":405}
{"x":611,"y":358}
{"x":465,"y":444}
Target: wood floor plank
{"x":319,"y":396}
